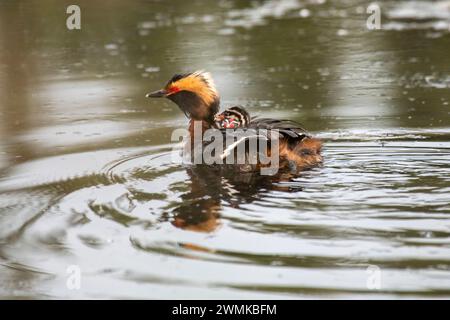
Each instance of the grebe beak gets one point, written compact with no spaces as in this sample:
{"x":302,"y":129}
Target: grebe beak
{"x":157,"y":94}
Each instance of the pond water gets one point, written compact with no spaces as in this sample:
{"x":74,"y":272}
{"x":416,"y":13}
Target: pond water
{"x":86,"y":172}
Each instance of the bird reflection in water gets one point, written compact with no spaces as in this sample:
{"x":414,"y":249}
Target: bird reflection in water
{"x":211,"y":186}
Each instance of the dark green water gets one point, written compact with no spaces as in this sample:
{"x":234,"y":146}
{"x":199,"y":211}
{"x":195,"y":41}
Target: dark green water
{"x":86,"y":171}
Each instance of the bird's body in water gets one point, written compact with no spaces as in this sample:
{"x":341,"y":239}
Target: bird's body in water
{"x":196,"y":95}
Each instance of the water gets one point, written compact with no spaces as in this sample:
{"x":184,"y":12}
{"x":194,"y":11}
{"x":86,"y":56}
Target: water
{"x":87,"y":177}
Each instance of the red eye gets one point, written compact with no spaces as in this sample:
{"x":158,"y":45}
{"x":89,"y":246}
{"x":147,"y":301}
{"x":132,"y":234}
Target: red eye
{"x":174,"y":89}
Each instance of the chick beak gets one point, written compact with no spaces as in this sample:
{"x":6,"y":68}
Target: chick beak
{"x":156,"y":94}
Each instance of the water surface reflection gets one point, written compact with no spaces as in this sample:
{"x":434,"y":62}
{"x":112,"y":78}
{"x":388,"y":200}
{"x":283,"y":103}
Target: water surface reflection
{"x":86,"y":176}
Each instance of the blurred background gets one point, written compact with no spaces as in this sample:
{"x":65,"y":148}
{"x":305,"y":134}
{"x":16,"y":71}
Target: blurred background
{"x":85,"y":176}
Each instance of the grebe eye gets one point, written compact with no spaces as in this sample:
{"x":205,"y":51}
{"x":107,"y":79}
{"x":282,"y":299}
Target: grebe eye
{"x":173,"y":89}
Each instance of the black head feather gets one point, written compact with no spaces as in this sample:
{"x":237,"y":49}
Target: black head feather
{"x":178,"y":76}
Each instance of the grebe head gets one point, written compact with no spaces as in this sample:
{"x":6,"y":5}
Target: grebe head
{"x":232,"y":118}
{"x":194,"y":93}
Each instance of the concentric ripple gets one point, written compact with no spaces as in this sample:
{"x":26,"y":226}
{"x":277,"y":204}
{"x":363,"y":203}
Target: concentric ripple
{"x":154,"y":228}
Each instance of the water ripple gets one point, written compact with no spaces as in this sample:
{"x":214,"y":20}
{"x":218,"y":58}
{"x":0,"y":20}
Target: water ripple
{"x":378,"y":200}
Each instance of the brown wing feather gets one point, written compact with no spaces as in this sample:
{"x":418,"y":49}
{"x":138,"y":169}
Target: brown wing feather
{"x":288,"y":128}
